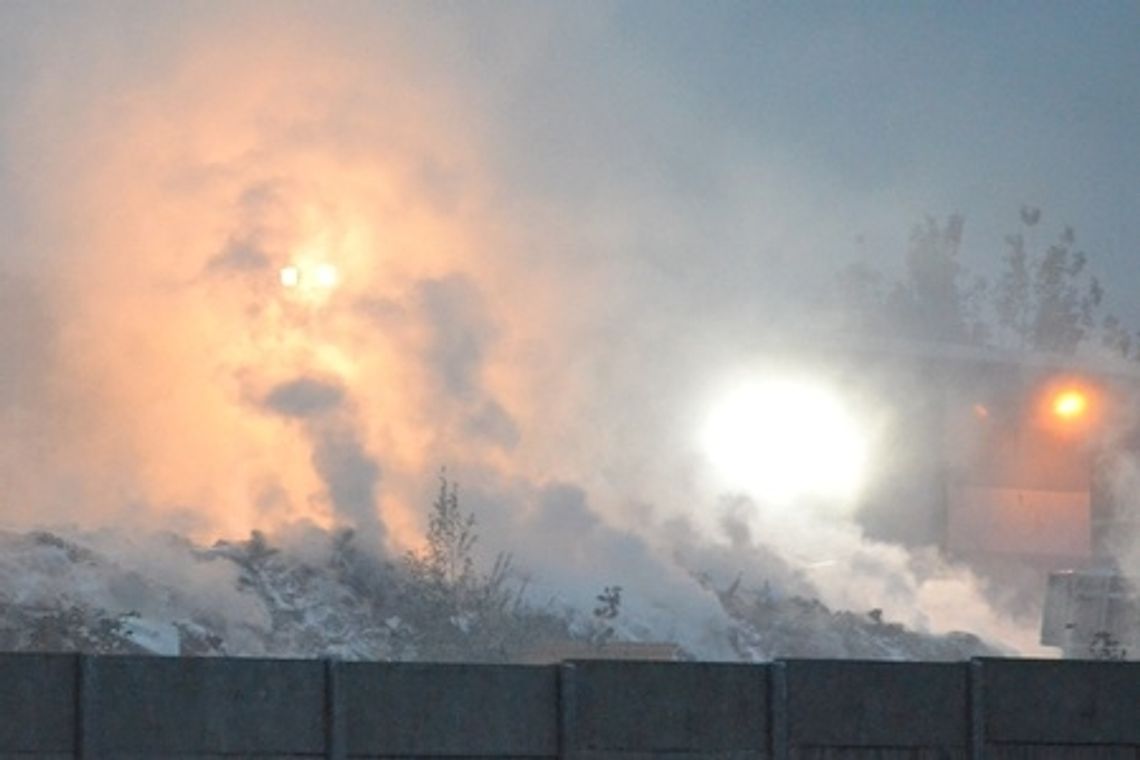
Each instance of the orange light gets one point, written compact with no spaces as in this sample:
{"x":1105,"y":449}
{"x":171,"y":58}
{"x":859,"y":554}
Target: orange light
{"x":1070,"y":404}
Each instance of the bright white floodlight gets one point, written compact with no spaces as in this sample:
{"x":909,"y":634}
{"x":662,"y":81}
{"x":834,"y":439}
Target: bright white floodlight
{"x":290,"y":277}
{"x":326,"y":276}
{"x":783,"y":440}
{"x":311,"y":281}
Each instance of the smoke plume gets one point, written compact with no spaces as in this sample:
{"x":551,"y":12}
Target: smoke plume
{"x":269,"y":265}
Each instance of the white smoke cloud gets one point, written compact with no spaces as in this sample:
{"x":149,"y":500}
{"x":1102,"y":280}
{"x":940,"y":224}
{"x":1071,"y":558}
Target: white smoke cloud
{"x":545,"y":248}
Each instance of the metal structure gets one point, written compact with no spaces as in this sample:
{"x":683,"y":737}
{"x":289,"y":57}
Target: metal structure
{"x":1027,"y":468}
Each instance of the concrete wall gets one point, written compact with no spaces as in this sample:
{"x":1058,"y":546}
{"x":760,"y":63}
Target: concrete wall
{"x":636,"y":710}
{"x":63,"y":706}
{"x":418,"y":710}
{"x":836,"y":708}
{"x":38,"y":705}
{"x":1059,"y":709}
{"x":151,"y":706}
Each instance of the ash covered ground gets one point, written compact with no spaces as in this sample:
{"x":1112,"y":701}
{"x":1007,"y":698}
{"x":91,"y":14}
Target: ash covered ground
{"x":324,"y":596}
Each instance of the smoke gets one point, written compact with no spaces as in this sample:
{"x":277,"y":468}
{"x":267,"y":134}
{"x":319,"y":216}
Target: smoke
{"x":304,"y":397}
{"x":528,"y":290}
{"x":1120,"y":529}
{"x":350,"y":475}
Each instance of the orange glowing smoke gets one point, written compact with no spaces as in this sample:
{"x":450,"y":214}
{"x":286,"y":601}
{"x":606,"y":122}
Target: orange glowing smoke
{"x":175,"y":207}
{"x":1070,"y":404}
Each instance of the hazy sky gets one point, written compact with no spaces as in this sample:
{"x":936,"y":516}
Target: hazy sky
{"x":555,"y":227}
{"x":771,"y":121}
{"x":775,"y":132}
{"x":673,"y":170}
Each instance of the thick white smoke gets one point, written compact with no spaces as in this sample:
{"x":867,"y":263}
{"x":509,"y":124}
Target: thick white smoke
{"x":543,"y":328}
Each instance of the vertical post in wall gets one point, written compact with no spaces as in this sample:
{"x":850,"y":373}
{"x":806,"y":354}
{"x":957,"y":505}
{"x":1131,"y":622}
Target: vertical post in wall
{"x":567,"y":710}
{"x":778,"y":710}
{"x":84,"y":687}
{"x":334,"y":713}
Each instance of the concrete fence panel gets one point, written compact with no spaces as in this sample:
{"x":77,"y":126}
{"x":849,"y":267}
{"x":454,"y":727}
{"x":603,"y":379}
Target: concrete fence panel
{"x":634,"y":710}
{"x":61,"y":706}
{"x":851,"y":709}
{"x":1079,"y":708}
{"x":419,"y":710}
{"x":38,"y":704}
{"x":150,"y":707}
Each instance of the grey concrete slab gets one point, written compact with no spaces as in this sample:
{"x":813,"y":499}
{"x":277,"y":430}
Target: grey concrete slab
{"x":415,"y":709}
{"x":206,"y":756}
{"x":188,"y":706}
{"x":37,"y":703}
{"x":1055,"y":752}
{"x":450,"y":756}
{"x":207,"y":709}
{"x":878,"y":753}
{"x":1061,"y":702}
{"x":835,"y":703}
{"x":649,"y":707}
{"x":658,"y":754}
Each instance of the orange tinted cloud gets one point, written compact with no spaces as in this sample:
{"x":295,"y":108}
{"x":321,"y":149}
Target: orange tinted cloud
{"x":181,"y":197}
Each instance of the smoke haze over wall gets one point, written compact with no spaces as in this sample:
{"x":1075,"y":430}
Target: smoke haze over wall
{"x":554,"y":235}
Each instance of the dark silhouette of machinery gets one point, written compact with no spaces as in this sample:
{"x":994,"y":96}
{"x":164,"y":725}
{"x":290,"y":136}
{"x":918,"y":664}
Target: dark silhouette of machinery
{"x":1025,"y":467}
